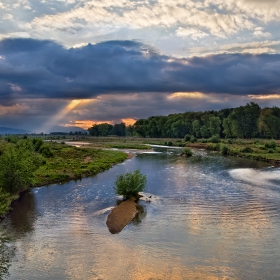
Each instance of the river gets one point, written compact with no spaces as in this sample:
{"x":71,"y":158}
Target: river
{"x":210,"y":217}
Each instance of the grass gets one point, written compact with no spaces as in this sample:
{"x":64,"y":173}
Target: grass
{"x":67,"y":163}
{"x":262,"y":150}
{"x":75,"y":163}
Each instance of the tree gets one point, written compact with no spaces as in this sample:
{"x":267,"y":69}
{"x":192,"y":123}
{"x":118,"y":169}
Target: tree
{"x":17,"y":165}
{"x":228,"y":129}
{"x":204,"y":131}
{"x":130,"y":184}
{"x":119,"y":129}
{"x":104,"y":128}
{"x":196,"y":128}
{"x":269,"y":124}
{"x":244,"y":120}
{"x":215,"y":126}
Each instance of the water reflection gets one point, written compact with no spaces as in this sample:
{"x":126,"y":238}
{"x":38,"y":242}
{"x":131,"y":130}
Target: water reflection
{"x":205,"y":221}
{"x":141,"y":214}
{"x":23,"y":216}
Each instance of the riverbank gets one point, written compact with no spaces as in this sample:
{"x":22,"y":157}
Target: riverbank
{"x":256,"y":149}
{"x":260,"y":150}
{"x":66,"y":163}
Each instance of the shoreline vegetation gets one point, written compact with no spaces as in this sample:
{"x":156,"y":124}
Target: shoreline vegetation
{"x":29,"y":162}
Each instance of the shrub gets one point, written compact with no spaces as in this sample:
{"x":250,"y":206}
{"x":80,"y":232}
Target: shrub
{"x":271,"y":145}
{"x":193,"y":139}
{"x":46,"y":151}
{"x":203,"y":140}
{"x":214,"y":139}
{"x":37,"y":144}
{"x":224,"y":149}
{"x":214,"y":147}
{"x":187,"y":137}
{"x":130,"y":184}
{"x":187,"y":152}
{"x":270,"y":151}
{"x":247,"y":150}
{"x":16,"y":169}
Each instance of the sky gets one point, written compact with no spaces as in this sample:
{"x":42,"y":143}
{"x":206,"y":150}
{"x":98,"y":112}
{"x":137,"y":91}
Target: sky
{"x":80,"y":62}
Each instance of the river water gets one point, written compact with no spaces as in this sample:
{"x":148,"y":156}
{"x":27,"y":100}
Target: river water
{"x":210,"y":217}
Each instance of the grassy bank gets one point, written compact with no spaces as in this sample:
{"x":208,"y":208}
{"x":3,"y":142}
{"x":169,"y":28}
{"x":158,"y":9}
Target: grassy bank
{"x":57,"y":163}
{"x":262,"y":150}
{"x":70,"y":163}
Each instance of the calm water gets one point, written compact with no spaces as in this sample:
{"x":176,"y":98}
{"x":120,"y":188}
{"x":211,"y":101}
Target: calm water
{"x":210,"y":217}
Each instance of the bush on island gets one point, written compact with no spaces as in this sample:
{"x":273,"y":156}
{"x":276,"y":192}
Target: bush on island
{"x":130,"y":184}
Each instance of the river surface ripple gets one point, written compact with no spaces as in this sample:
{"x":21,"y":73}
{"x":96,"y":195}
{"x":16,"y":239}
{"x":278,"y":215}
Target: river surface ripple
{"x":210,"y":217}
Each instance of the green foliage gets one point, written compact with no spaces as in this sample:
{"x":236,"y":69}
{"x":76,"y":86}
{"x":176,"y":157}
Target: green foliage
{"x":46,"y":151}
{"x":187,"y":137}
{"x":214,"y":147}
{"x":169,"y":143}
{"x":186,"y":151}
{"x":271,"y":145}
{"x":215,"y":125}
{"x":204,"y":131}
{"x":247,"y":150}
{"x":214,"y":139}
{"x":37,"y":143}
{"x":17,"y":165}
{"x":193,"y":139}
{"x":203,"y":140}
{"x":130,"y":184}
{"x":224,"y":149}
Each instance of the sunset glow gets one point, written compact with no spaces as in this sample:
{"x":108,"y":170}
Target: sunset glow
{"x":191,"y":95}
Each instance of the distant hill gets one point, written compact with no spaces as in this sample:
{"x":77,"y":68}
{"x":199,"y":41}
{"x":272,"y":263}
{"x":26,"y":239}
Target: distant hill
{"x":9,"y":130}
{"x":67,"y":129}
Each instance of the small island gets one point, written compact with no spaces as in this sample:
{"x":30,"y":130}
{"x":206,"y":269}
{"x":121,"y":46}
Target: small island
{"x":129,"y":185}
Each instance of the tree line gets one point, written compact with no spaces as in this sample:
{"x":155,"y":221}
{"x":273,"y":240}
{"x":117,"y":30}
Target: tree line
{"x":249,"y":121}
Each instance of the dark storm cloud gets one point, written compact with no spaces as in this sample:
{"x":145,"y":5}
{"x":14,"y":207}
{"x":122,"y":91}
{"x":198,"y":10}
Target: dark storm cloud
{"x":36,"y":68}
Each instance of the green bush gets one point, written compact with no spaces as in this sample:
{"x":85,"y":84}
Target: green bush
{"x":37,"y":144}
{"x":214,"y":139}
{"x":203,"y":140}
{"x":271,"y":145}
{"x":46,"y":151}
{"x":187,"y":137}
{"x":17,"y":166}
{"x":224,"y":149}
{"x":169,"y":143}
{"x":214,"y":147}
{"x":130,"y":184}
{"x":247,"y":150}
{"x":193,"y":139}
{"x":187,"y":152}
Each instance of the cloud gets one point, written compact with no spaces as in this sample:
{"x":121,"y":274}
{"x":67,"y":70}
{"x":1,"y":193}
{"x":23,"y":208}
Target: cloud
{"x":115,"y":80}
{"x":195,"y":34}
{"x":33,"y":68}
